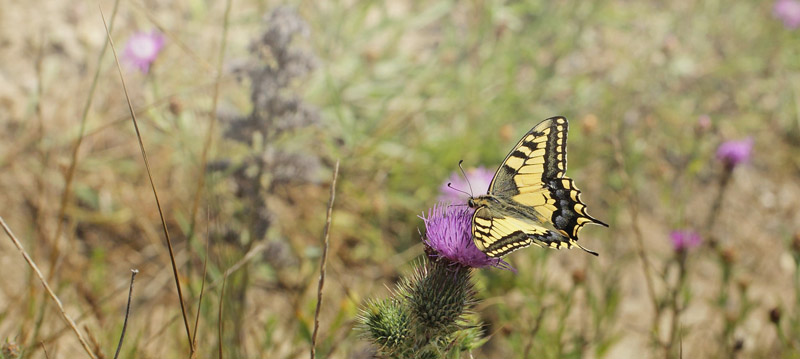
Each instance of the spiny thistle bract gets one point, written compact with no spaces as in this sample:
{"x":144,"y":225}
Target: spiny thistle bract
{"x":438,"y":294}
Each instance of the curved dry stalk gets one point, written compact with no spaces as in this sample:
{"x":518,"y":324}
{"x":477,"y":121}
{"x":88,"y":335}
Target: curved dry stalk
{"x":35,"y":268}
{"x":127,"y":313}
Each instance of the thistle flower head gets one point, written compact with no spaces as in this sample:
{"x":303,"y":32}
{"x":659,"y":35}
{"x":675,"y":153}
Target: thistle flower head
{"x":787,"y":11}
{"x":684,"y":240}
{"x":142,"y":49}
{"x":734,"y":153}
{"x":448,"y":231}
{"x":479,"y":178}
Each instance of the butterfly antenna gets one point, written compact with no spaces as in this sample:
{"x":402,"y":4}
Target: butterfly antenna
{"x":450,"y":185}
{"x":471,"y":192}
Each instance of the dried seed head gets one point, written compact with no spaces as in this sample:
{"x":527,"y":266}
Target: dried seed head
{"x":775,"y":315}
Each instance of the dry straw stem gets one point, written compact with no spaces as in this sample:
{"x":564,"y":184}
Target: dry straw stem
{"x":47,"y":356}
{"x":630,"y":195}
{"x":324,"y":259}
{"x":220,"y":326}
{"x":152,"y":186}
{"x":212,"y":125}
{"x":47,"y":288}
{"x":82,"y":129}
{"x":202,"y":288}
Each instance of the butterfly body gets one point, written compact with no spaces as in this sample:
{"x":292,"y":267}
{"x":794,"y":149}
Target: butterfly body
{"x":530,"y":200}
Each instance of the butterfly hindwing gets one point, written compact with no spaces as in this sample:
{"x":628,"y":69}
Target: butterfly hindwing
{"x":530,"y":187}
{"x":497,"y":236}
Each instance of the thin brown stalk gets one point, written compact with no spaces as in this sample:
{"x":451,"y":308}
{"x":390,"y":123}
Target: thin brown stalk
{"x":633,"y":205}
{"x":47,"y":356}
{"x":52,"y":294}
{"x":257,"y":249}
{"x":220,"y":326}
{"x":41,"y":199}
{"x":532,"y":335}
{"x":43,"y":158}
{"x":716,"y":207}
{"x":252,"y":253}
{"x":73,"y":163}
{"x":95,"y":344}
{"x":153,"y":187}
{"x":127,"y":313}
{"x":325,"y":245}
{"x":202,"y":287}
{"x":212,"y":125}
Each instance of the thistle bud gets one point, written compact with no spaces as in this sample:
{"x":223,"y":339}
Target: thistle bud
{"x":386,"y":323}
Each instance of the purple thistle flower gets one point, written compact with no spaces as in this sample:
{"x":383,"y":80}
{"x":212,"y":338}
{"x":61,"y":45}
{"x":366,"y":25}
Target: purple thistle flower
{"x":479,"y":177}
{"x":142,"y":49}
{"x":734,"y":153}
{"x":448,"y":231}
{"x":684,"y":240}
{"x":787,"y":11}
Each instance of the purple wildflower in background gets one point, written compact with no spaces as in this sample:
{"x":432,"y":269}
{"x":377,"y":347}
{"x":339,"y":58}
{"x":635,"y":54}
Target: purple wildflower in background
{"x":787,"y":11}
{"x":142,"y":49}
{"x":704,"y":123}
{"x":448,"y":232}
{"x":479,"y":177}
{"x":734,"y":153}
{"x":685,"y":239}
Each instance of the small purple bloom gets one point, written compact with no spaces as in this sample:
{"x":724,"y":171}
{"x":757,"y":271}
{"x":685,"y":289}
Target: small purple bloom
{"x":734,"y":153}
{"x":479,"y":177}
{"x":448,"y":230}
{"x":142,"y":49}
{"x":787,"y":11}
{"x":685,"y":239}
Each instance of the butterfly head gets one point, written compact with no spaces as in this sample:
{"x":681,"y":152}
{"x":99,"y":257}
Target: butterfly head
{"x":471,"y":203}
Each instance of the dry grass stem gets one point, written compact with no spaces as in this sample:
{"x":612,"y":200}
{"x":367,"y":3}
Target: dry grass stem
{"x":152,"y":186}
{"x":35,"y":268}
{"x":325,"y":236}
{"x":201,"y":181}
{"x":220,"y":323}
{"x":630,"y":195}
{"x":73,"y":163}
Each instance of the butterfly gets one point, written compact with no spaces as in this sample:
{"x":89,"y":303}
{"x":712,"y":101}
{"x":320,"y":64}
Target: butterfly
{"x":530,"y":200}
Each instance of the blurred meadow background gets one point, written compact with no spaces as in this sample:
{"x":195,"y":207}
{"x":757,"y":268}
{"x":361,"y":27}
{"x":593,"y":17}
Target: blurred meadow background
{"x":244,"y":107}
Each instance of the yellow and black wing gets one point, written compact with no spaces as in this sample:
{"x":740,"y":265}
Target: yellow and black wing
{"x":529,"y":187}
{"x":498,"y":235}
